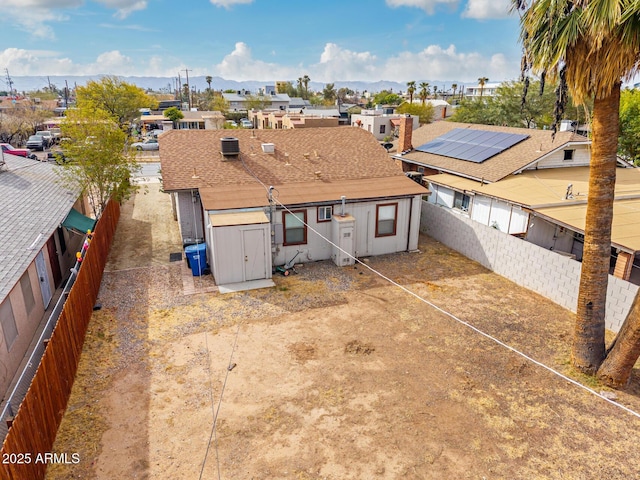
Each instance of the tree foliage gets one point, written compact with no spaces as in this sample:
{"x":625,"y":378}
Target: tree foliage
{"x":174,"y":114}
{"x":258,"y":102}
{"x":424,"y":112}
{"x":95,"y":160}
{"x":385,"y":97}
{"x":506,"y":107}
{"x":329,"y":93}
{"x":121,"y":100}
{"x":629,"y":140}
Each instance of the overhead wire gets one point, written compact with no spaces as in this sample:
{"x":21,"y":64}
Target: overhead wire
{"x":272,"y":198}
{"x":467,"y":324}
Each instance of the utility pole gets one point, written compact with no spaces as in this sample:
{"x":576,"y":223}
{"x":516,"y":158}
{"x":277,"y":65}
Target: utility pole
{"x":188,"y":88}
{"x":9,"y":82}
{"x":180,"y":89}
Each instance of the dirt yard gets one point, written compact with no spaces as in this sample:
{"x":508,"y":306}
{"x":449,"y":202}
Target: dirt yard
{"x":333,"y":374}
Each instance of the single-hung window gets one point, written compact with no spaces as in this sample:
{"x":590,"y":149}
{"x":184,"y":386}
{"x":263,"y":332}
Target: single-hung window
{"x":324,"y":213}
{"x":295,"y":230}
{"x":386,"y":216}
{"x":27,"y":292}
{"x":8,"y":322}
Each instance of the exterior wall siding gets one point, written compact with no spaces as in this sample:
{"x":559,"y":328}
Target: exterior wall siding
{"x":366,"y":243}
{"x":189,"y":218}
{"x":581,"y":158}
{"x":26,"y":324}
{"x":551,"y":275}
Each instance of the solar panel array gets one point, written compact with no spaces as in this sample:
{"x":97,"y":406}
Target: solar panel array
{"x":471,"y":145}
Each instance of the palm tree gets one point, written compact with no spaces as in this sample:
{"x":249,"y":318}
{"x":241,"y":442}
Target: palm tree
{"x":208,"y":79}
{"x":424,"y":91}
{"x":411,"y":89}
{"x":305,"y":81}
{"x":300,"y":87}
{"x":590,"y":47}
{"x":482,"y":81}
{"x":435,"y":91}
{"x":454,"y":87}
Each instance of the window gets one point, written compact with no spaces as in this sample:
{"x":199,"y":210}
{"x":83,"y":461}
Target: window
{"x":383,"y":128}
{"x":27,"y":292}
{"x":324,"y":213}
{"x":8,"y":322}
{"x":386,"y":219}
{"x":568,"y":155}
{"x":461,"y":201}
{"x":295,"y":230}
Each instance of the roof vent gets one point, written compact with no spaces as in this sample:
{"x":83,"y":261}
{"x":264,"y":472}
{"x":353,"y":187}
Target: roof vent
{"x":230,"y":146}
{"x":268,"y":147}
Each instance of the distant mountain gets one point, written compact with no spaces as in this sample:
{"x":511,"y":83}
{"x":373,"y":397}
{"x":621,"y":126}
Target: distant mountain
{"x":32,"y":83}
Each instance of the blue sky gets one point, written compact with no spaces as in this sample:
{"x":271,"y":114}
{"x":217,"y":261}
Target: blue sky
{"x":267,"y":40}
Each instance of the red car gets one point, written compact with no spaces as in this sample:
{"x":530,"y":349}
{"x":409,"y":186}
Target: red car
{"x":21,"y":152}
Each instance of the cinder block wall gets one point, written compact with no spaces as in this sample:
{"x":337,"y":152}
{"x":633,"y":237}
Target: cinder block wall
{"x":543,"y":271}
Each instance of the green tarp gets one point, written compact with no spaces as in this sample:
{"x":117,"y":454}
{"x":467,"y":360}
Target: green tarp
{"x":78,"y":222}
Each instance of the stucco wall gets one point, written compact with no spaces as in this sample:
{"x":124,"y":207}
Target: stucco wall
{"x":545,"y":272}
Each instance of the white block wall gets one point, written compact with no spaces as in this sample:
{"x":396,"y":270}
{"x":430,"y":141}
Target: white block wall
{"x":545,"y":272}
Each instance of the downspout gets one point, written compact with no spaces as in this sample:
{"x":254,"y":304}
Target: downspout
{"x":272,"y":222}
{"x":409,"y":226}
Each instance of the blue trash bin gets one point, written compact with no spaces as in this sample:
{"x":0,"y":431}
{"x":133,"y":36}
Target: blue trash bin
{"x":197,"y":257}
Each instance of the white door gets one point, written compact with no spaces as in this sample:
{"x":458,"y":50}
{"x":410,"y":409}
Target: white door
{"x":43,"y":277}
{"x":253,"y":248}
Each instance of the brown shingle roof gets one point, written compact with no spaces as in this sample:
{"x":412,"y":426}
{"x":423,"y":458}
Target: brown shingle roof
{"x":511,"y":160}
{"x":255,"y":195}
{"x":192,"y":158}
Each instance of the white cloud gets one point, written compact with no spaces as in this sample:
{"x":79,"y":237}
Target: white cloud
{"x":125,"y":7}
{"x":341,"y":64}
{"x":229,"y":3}
{"x":434,"y":62}
{"x":240,"y":65}
{"x":428,"y":6}
{"x":487,"y":9}
{"x":334,"y":64}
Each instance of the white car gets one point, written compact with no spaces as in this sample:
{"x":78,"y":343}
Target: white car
{"x":246,"y":124}
{"x":151,"y":144}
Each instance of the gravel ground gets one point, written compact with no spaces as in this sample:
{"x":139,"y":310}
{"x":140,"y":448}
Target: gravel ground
{"x":338,"y":375}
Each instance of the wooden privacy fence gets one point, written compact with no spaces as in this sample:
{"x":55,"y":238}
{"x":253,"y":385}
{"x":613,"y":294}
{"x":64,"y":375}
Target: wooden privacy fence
{"x":27,"y":447}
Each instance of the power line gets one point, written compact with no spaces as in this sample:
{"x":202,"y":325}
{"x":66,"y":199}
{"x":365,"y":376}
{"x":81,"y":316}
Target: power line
{"x":467,"y":324}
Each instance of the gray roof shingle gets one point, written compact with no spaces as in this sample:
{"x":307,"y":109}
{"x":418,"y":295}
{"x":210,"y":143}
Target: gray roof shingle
{"x":33,"y":206}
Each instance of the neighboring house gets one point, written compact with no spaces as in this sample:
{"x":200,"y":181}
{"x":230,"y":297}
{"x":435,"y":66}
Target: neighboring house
{"x":193,"y":120}
{"x":522,"y":182}
{"x":294,"y":118}
{"x":37,"y":251}
{"x":379,"y":124}
{"x":239,"y":101}
{"x":221,"y":189}
{"x":441,"y":109}
{"x":298,"y":102}
{"x":486,"y":90}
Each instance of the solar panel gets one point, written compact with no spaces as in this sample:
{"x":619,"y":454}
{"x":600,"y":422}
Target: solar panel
{"x":471,"y":145}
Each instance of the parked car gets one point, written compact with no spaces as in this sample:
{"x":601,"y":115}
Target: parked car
{"x":36,"y":142}
{"x":48,"y":137}
{"x":154,"y":133}
{"x":20,"y":152}
{"x":151,"y":144}
{"x":246,"y":124}
{"x":56,"y":133}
